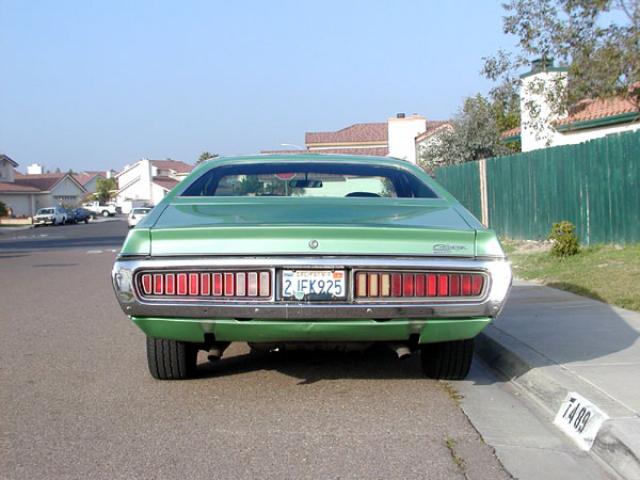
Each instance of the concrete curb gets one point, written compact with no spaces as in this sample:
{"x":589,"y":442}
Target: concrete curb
{"x":11,"y":229}
{"x":618,"y":441}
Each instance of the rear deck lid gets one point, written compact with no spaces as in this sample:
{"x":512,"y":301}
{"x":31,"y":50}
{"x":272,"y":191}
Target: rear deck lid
{"x":281,"y":226}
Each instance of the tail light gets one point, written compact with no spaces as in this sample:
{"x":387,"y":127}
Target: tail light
{"x":255,"y":284}
{"x":392,"y":285}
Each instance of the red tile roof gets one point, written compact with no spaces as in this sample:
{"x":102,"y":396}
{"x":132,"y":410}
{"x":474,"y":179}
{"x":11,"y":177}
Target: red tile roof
{"x":357,"y":133}
{"x":9,"y":187}
{"x":510,"y":133}
{"x":165,"y":182}
{"x":433,"y":126}
{"x":175,"y":165}
{"x":598,"y":108}
{"x":368,"y":151}
{"x":42,"y":182}
{"x":589,"y":110}
{"x":85,"y":177}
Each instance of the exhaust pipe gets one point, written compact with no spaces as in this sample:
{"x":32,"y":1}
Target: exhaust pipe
{"x":216,"y":351}
{"x":402,"y":350}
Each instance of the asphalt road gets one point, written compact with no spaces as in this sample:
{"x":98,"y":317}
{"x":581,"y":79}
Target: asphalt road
{"x":77,"y":401}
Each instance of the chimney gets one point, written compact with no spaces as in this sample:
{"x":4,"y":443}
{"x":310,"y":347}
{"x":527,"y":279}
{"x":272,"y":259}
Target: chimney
{"x":537,"y":131}
{"x":34,"y":169}
{"x":402,"y":133}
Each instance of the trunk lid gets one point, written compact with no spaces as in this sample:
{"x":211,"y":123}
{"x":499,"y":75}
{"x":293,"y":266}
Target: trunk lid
{"x":282,"y":226}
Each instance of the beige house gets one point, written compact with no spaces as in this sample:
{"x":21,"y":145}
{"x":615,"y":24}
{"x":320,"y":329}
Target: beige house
{"x":148,"y":181}
{"x":25,"y":194}
{"x":401,"y":136}
{"x":585,"y":121}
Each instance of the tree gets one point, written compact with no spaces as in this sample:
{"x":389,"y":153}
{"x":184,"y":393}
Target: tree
{"x":597,"y":40}
{"x":206,"y":156}
{"x":105,"y":187}
{"x":475,"y":134}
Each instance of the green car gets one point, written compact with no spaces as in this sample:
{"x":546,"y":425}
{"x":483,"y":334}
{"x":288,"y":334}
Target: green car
{"x":323,"y":250}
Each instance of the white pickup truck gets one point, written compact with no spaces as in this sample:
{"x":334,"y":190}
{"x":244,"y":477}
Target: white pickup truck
{"x":106,"y":210}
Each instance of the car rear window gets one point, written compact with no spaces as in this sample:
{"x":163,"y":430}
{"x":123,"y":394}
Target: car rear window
{"x":308,"y":180}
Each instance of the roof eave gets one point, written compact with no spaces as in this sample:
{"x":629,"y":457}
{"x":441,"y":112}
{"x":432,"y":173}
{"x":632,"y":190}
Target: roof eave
{"x":628,"y":117}
{"x":511,"y":139}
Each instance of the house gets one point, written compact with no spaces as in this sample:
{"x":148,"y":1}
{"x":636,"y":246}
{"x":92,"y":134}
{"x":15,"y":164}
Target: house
{"x":400,"y":137}
{"x":89,"y":179}
{"x":25,"y":194}
{"x":148,"y":181}
{"x":588,"y":119}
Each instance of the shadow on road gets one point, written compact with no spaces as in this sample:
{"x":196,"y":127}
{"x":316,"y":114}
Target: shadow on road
{"x":314,"y":366}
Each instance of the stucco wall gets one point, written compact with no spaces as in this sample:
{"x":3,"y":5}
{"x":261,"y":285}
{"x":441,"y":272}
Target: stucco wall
{"x":21,"y":204}
{"x":402,"y":135}
{"x":537,"y":130}
{"x":579,"y":136}
{"x":92,"y":185}
{"x":136,"y":183}
{"x":157,"y":194}
{"x":6,"y":171}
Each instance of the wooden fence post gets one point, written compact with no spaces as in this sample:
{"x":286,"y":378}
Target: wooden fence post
{"x":484,"y":201}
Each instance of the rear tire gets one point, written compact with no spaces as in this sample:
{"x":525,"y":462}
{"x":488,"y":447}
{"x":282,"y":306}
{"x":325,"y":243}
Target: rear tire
{"x":447,"y":360}
{"x":171,"y":359}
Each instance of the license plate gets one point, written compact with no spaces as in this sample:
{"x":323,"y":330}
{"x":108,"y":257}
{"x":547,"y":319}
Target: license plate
{"x":314,"y":284}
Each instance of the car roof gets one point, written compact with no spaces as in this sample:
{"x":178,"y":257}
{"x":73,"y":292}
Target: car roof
{"x":308,"y":157}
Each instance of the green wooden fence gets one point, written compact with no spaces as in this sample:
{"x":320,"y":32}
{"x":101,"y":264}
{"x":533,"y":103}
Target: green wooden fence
{"x":463,"y":181}
{"x":595,"y":185}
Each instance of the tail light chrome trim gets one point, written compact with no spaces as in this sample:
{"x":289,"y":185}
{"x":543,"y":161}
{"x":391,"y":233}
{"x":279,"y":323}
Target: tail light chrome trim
{"x":230,"y":285}
{"x":419,"y":286}
{"x":130,"y":288}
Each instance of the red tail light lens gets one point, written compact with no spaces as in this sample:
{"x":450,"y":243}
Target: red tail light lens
{"x":255,"y":284}
{"x":418,"y":284}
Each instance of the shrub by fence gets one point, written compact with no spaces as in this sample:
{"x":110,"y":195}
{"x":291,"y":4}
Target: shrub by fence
{"x":595,"y":185}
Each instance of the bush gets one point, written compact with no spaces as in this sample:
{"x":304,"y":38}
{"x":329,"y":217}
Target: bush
{"x":564,"y":239}
{"x":3,"y":210}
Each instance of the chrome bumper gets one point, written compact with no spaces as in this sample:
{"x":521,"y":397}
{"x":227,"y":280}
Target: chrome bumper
{"x":489,"y":305}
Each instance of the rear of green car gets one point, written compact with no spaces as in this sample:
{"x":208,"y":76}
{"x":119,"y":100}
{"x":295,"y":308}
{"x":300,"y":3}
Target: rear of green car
{"x":310,"y":250}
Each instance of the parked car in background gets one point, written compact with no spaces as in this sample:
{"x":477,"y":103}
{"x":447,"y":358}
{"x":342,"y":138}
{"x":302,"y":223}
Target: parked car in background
{"x":71,"y":216}
{"x":287,"y":251}
{"x":83,"y":215}
{"x":51,"y":216}
{"x":105,"y":210}
{"x":136,"y":215}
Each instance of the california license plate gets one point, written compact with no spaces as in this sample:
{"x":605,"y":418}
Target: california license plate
{"x":314,"y":284}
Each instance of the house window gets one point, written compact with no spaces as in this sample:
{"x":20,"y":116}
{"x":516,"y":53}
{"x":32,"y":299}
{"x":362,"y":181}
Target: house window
{"x":66,"y":199}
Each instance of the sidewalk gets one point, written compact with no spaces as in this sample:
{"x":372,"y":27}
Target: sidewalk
{"x":550,"y":342}
{"x":6,"y":230}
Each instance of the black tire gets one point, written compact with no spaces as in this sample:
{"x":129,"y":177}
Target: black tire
{"x":447,"y":360}
{"x":86,"y":220}
{"x":171,"y":359}
{"x":105,"y":213}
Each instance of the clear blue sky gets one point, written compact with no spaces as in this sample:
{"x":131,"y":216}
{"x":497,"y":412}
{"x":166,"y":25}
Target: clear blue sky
{"x":94,"y":85}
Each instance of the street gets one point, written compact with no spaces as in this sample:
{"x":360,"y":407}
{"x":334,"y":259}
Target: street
{"x":78,"y":401}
